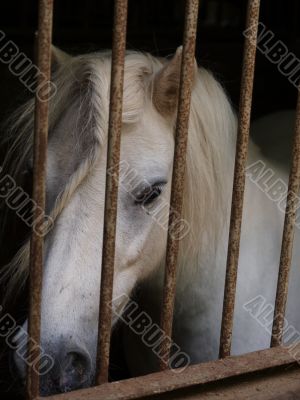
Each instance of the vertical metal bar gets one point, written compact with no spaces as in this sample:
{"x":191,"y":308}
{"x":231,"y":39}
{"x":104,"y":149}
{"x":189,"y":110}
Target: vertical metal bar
{"x":239,"y":177}
{"x":39,"y":178}
{"x":181,"y":137}
{"x":288,"y":237}
{"x":111,"y":196}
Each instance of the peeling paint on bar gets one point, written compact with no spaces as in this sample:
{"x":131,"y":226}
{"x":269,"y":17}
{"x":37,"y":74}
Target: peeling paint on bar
{"x":194,"y":376}
{"x":288,"y":237}
{"x":181,"y":136}
{"x":239,"y":179}
{"x":39,"y":178}
{"x":111,"y":194}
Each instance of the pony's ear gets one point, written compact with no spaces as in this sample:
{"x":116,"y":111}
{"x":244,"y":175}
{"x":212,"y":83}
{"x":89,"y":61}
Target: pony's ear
{"x":166,"y":85}
{"x":58,"y":57}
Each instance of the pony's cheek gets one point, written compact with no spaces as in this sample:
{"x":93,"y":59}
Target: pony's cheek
{"x":145,"y":233}
{"x":124,"y":283}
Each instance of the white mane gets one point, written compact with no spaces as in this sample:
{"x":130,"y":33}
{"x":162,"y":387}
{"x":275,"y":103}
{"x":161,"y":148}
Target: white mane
{"x":83,"y":83}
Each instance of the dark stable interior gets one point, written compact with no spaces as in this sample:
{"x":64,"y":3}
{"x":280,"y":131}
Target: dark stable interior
{"x":155,"y":26}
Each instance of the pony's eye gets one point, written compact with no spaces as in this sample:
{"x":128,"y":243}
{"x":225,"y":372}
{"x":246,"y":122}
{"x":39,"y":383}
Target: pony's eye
{"x":149,"y":194}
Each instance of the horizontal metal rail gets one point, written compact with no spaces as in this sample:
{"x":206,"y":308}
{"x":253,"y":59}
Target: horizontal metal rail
{"x":201,"y":374}
{"x":239,"y":178}
{"x":44,"y":41}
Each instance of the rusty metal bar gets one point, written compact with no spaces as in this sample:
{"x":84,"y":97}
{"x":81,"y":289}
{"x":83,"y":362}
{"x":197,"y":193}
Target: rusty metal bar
{"x":239,"y":177}
{"x":112,"y":180}
{"x":288,"y":237}
{"x":195,"y":375}
{"x":44,"y":40}
{"x":179,"y":164}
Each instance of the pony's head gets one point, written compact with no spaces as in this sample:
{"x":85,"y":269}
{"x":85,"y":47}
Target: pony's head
{"x":76,"y":174}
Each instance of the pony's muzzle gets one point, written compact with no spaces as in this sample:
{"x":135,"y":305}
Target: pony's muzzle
{"x":72,"y":370}
{"x":75,"y":371}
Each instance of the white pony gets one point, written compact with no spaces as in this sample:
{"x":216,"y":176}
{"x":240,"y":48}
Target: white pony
{"x":75,"y":199}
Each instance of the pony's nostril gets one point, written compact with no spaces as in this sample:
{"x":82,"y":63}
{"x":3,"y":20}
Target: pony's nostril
{"x":72,"y":370}
{"x":75,"y":370}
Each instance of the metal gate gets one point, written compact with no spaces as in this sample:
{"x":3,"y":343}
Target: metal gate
{"x":227,"y":366}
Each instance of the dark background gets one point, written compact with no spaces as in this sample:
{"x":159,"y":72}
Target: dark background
{"x":154,"y":26}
